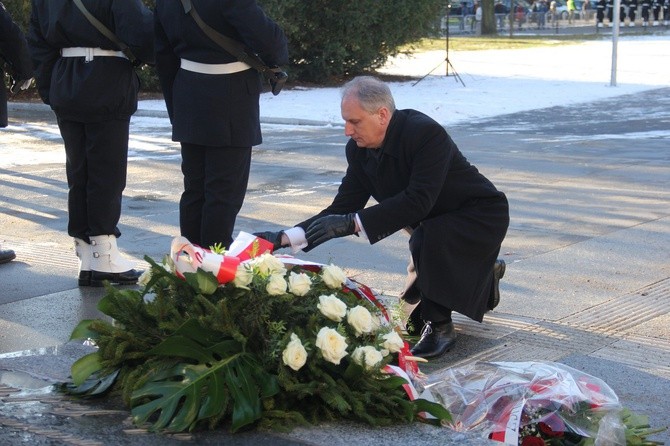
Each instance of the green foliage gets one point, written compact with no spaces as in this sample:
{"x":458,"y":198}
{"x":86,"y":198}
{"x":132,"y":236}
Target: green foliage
{"x":20,"y":12}
{"x":331,"y":39}
{"x":190,"y":357}
{"x":221,"y":375}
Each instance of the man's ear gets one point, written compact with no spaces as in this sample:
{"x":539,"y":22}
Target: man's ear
{"x":384,"y":116}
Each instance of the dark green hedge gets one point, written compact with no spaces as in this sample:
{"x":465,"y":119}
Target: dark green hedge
{"x":340,"y":38}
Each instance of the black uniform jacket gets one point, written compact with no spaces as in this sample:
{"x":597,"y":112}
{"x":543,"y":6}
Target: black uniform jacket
{"x":214,"y":109}
{"x":14,"y":54}
{"x":420,"y":179}
{"x":104,"y":88}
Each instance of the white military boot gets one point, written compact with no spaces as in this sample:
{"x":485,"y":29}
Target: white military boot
{"x":83,"y":251}
{"x":107,"y":263}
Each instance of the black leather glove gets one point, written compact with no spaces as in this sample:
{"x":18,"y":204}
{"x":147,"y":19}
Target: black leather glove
{"x":272,"y":237}
{"x":329,"y":227}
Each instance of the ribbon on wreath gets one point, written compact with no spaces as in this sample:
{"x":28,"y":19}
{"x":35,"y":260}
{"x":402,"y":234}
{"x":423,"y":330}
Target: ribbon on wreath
{"x":188,"y":257}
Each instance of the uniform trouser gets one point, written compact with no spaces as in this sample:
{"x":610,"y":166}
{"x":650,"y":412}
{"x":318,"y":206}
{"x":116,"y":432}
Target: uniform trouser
{"x":600,"y":15}
{"x":631,"y":13}
{"x":645,"y":13}
{"x":215,"y":182}
{"x":96,"y":165}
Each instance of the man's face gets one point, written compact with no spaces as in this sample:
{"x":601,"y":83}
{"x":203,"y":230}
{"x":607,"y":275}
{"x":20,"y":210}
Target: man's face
{"x":367,"y":129}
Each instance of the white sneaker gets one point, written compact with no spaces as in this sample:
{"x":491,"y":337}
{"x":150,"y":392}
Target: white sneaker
{"x":631,"y":25}
{"x":655,"y":23}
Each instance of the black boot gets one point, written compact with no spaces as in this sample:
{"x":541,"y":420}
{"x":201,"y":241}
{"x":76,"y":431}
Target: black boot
{"x":6,"y":255}
{"x":436,"y":340}
{"x":498,"y":273}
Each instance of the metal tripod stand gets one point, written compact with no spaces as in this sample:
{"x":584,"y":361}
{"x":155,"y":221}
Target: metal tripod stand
{"x":446,"y":59}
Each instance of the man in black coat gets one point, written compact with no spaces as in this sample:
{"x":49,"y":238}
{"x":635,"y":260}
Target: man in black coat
{"x":15,"y":56}
{"x":422,"y":183}
{"x":213,"y":103}
{"x":92,"y":87}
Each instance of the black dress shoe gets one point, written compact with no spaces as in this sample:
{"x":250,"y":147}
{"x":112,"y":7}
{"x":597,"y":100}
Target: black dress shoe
{"x":6,"y":255}
{"x":498,"y":273}
{"x":436,"y":340}
{"x":125,"y":278}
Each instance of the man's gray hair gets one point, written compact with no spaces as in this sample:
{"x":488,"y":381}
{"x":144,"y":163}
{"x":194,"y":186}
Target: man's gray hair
{"x":372,"y":93}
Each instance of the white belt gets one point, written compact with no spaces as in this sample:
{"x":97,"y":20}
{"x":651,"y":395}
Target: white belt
{"x":90,"y":53}
{"x":214,"y":68}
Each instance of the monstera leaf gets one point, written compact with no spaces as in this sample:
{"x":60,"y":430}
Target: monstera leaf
{"x":218,"y":378}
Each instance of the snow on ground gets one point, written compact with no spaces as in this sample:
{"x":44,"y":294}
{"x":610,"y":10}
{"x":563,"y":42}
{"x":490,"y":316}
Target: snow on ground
{"x":500,"y":81}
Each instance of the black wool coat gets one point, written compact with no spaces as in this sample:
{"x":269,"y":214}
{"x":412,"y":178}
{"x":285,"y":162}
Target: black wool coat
{"x":14,"y":53}
{"x":221,"y":109}
{"x":104,"y":88}
{"x":422,"y":181}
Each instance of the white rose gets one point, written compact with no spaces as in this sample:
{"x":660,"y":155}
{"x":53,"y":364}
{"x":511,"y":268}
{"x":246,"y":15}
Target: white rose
{"x":299,"y":284}
{"x":144,"y":278}
{"x":392,"y":342}
{"x":332,"y":307}
{"x":333,"y":276}
{"x":360,"y":319}
{"x":333,"y":346}
{"x":276,"y":285}
{"x":367,"y":356}
{"x":243,"y":276}
{"x":294,"y":355}
{"x":267,"y":264}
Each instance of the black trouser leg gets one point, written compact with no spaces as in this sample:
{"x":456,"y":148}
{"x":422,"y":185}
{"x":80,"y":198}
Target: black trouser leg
{"x":215,"y":183}
{"x":96,"y":168}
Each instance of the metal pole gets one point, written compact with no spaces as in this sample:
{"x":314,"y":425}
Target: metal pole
{"x":448,"y":6}
{"x":615,"y":39}
{"x":511,"y":18}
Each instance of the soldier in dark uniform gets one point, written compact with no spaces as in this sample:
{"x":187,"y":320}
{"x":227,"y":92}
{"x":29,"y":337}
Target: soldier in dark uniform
{"x":632,"y":10}
{"x":14,"y":54}
{"x":610,"y":12}
{"x":213,"y":103}
{"x":646,"y":5}
{"x":422,"y":183}
{"x":600,"y":12}
{"x":92,"y":87}
{"x":666,"y":12}
{"x":656,"y":10}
